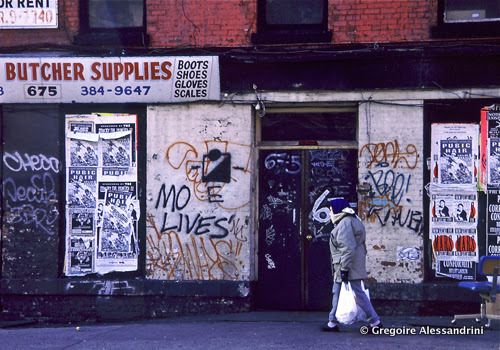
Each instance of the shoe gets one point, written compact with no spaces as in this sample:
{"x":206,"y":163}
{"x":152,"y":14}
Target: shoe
{"x":327,"y":328}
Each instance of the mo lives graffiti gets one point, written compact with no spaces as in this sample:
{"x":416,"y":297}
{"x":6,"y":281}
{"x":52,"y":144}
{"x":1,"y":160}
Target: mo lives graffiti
{"x":175,"y":201}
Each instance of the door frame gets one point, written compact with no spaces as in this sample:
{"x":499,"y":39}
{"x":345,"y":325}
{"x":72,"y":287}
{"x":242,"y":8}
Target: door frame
{"x":303,"y":147}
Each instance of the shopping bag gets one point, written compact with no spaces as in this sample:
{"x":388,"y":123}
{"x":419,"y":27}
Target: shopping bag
{"x":347,"y":310}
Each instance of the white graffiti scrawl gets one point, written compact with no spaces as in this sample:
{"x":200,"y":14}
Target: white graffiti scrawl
{"x":32,"y":199}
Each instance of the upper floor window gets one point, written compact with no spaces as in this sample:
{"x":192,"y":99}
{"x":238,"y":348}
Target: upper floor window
{"x":460,"y":11}
{"x":467,"y":19}
{"x":112,"y":22}
{"x":292,"y":21}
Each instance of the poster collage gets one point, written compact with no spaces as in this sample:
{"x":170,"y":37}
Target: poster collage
{"x":490,"y":136}
{"x":102,"y":210}
{"x":454,"y":199}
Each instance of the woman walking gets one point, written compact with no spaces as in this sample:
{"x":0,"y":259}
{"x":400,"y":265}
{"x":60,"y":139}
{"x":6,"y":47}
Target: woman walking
{"x":348,"y":259}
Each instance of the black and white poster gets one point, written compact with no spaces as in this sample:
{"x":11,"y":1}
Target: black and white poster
{"x":456,"y":161}
{"x":493,"y":222}
{"x":102,"y":209}
{"x":82,"y":187}
{"x":459,"y":270}
{"x":494,"y":122}
{"x":82,"y":144}
{"x":81,"y":255}
{"x":116,"y":143}
{"x":82,"y":222}
{"x":118,"y":232}
{"x":494,"y":161}
{"x":454,"y":154}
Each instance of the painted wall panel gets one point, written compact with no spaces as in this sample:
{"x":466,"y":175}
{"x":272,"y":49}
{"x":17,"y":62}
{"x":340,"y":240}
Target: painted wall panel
{"x":198,"y":192}
{"x":30,"y":192}
{"x":390,"y":162}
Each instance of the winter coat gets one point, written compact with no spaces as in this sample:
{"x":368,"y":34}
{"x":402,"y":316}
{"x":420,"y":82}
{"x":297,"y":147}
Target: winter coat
{"x":348,"y":248}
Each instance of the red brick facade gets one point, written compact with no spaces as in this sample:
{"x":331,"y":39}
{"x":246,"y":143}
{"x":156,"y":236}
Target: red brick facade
{"x":360,"y":21}
{"x":230,"y":23}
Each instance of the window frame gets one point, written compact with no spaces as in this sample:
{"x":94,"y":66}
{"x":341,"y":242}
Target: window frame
{"x":303,"y":110}
{"x":121,"y":36}
{"x":471,"y":29}
{"x":290,"y":33}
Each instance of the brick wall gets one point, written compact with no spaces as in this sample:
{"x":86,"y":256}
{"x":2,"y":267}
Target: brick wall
{"x":356,"y":21}
{"x":183,"y":23}
{"x":230,"y":23}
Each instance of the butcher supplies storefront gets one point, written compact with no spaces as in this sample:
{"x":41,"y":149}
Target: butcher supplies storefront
{"x":109,"y":79}
{"x":79,"y":136}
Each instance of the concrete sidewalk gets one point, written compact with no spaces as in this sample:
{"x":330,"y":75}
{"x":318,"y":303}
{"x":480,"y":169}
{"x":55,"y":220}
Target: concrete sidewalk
{"x":251,"y":330}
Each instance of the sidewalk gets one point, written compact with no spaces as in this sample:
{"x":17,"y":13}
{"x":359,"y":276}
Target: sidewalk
{"x":252,"y":330}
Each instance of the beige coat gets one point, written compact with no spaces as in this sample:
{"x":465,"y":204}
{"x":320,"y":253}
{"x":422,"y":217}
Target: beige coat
{"x":348,"y":248}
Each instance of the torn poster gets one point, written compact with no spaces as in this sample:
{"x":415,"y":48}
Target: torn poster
{"x":102,"y":209}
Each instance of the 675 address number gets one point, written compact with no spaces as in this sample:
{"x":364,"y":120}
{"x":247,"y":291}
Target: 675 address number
{"x":54,"y":91}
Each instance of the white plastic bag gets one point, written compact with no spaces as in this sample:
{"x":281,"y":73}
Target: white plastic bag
{"x":348,"y":311}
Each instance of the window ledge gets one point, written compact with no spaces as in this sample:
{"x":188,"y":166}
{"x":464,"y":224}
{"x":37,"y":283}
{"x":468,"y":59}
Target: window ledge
{"x":291,"y":37}
{"x":466,"y":30}
{"x":112,"y":37}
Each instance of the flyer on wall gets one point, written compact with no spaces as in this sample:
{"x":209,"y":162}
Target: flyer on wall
{"x":102,"y":208}
{"x":454,"y":154}
{"x":453,"y":231}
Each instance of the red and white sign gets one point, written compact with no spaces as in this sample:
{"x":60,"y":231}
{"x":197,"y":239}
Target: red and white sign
{"x":25,"y":14}
{"x":158,"y":79}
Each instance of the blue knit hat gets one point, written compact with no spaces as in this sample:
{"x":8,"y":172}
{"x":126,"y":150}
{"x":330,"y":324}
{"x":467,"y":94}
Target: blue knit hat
{"x":338,"y":204}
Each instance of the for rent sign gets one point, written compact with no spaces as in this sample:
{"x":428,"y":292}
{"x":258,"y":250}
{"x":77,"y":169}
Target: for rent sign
{"x":109,"y":79}
{"x":24,"y":14}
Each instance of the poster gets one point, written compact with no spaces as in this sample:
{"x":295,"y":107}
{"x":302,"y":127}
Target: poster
{"x":102,"y":209}
{"x":455,"y":154}
{"x":82,"y":222}
{"x":458,"y":244}
{"x":490,"y":147}
{"x":82,"y":145}
{"x":81,"y":255}
{"x":493,"y":162}
{"x":493,"y":222}
{"x":453,"y":231}
{"x":81,"y":187}
{"x":115,"y":148}
{"x":117,"y":230}
{"x":459,"y":270}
